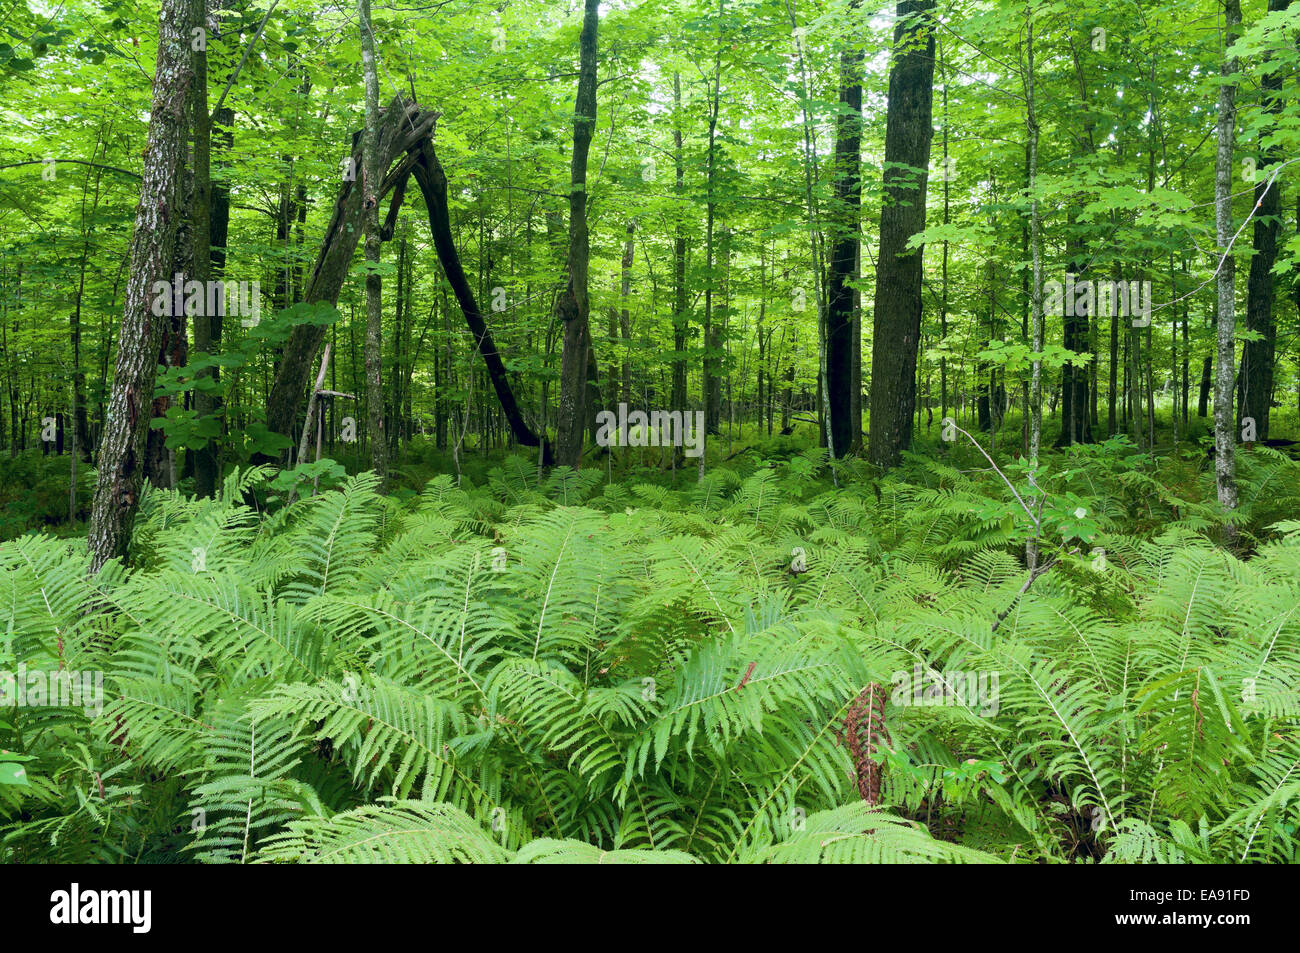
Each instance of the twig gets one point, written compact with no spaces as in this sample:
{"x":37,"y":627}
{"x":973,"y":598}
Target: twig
{"x":1033,"y":574}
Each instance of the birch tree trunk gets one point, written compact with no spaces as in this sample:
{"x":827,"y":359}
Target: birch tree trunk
{"x":370,"y":177}
{"x":1225,"y":469}
{"x":122,"y":447}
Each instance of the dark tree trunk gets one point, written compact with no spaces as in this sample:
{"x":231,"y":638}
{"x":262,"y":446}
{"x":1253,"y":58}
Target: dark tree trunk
{"x":572,"y":306}
{"x":432,"y":181}
{"x":403,"y":126}
{"x":840,"y":310}
{"x":1076,"y":423}
{"x":1203,"y":402}
{"x":897,"y":319}
{"x":207,"y":327}
{"x":1255,"y":379}
{"x":681,"y":326}
{"x":121,"y":451}
{"x":624,"y":315}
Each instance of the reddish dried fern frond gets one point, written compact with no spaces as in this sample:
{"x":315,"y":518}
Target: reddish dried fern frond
{"x":864,"y":733}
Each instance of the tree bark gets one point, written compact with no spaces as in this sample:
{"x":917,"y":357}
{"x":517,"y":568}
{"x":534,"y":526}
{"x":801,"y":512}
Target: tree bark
{"x":1255,"y":382}
{"x":122,"y":448}
{"x":840,"y":310}
{"x":432,"y":180}
{"x":624,"y":315}
{"x":201,"y":228}
{"x":1036,"y":290}
{"x":681,"y":322}
{"x":371,"y":171}
{"x":572,"y":306}
{"x":1225,"y":469}
{"x":897,"y":318}
{"x":403,"y":126}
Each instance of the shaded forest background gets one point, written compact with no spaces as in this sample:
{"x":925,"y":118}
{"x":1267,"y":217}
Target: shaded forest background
{"x":756,"y":207}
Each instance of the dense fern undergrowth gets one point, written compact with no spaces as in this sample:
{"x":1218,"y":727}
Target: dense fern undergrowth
{"x":567,"y":667}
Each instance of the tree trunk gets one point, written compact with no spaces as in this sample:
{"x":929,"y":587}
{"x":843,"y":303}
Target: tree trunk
{"x":624,"y":315}
{"x":681,"y":326}
{"x":1225,"y":470}
{"x":897,"y":319}
{"x":840,"y":312}
{"x":572,"y":306}
{"x":403,"y":127}
{"x":1076,"y":426}
{"x":201,"y":228}
{"x":121,"y":452}
{"x":432,"y":180}
{"x":370,"y":178}
{"x":1255,"y":382}
{"x":1036,"y":290}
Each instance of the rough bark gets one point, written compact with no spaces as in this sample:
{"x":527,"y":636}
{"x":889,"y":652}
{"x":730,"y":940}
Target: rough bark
{"x":122,"y":448}
{"x":572,"y":306}
{"x":897,"y":318}
{"x":403,"y":126}
{"x":1225,"y":470}
{"x":371,"y":171}
{"x":1255,"y":382}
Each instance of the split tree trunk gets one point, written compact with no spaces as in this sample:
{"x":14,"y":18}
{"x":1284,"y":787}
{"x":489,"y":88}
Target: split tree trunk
{"x":432,"y":180}
{"x":402,"y":127}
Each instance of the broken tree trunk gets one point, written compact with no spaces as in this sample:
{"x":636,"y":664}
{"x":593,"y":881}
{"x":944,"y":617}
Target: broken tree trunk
{"x":432,"y":181}
{"x":402,"y":126}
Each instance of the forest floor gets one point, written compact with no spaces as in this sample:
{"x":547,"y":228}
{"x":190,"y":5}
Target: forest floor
{"x":541,"y":666}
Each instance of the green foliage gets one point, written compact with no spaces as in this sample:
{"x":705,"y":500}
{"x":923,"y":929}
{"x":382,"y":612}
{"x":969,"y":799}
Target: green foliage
{"x":561,"y":670}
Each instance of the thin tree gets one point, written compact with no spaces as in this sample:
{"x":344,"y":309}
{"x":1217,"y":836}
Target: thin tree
{"x":712,"y":382}
{"x":205,"y":458}
{"x":370,"y":179}
{"x":1225,"y":469}
{"x":840,"y":310}
{"x":1036,"y":249}
{"x":681,"y":319}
